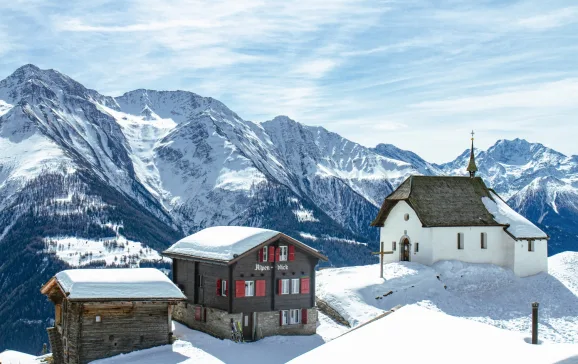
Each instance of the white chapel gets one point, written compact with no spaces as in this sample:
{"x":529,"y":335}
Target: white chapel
{"x":432,"y":218}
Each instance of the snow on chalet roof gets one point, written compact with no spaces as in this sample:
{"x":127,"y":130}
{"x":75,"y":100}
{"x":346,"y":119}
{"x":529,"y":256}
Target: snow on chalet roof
{"x":122,"y":283}
{"x":520,"y":227}
{"x":221,"y":242}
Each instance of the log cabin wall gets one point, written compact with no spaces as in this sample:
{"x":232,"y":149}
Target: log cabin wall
{"x":123,"y":327}
{"x":70,"y":331}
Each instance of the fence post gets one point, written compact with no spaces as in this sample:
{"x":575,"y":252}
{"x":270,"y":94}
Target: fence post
{"x":535,"y":322}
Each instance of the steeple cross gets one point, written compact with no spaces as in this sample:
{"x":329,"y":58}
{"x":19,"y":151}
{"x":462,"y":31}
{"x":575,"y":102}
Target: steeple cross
{"x":381,"y":253}
{"x":472,"y":134}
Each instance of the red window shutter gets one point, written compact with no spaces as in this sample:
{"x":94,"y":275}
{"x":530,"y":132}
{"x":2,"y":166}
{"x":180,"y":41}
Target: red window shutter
{"x":198,"y":313}
{"x":303,"y":315}
{"x":279,"y":286}
{"x":218,"y":287}
{"x":271,"y":254}
{"x":304,"y":285}
{"x":239,"y":288}
{"x":280,"y":318}
{"x":260,"y":288}
{"x":226,"y":288}
{"x":260,"y":255}
{"x":277,"y":254}
{"x":291,"y":253}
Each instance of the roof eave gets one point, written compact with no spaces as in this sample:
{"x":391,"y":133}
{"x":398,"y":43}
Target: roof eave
{"x":195,"y":258}
{"x":126,"y":299}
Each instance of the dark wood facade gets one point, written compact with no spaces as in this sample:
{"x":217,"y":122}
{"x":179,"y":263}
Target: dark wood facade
{"x":202,"y":280}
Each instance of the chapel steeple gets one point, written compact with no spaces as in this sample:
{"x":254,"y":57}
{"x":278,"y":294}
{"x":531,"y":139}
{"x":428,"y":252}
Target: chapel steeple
{"x":472,"y":168}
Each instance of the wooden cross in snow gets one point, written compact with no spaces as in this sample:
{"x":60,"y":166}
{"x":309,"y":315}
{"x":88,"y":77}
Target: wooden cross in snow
{"x":381,"y":253}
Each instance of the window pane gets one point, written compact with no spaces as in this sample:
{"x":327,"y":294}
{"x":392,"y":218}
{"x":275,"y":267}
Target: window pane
{"x":249,"y":288}
{"x":295,"y":285}
{"x":285,"y":286}
{"x":283,"y":253}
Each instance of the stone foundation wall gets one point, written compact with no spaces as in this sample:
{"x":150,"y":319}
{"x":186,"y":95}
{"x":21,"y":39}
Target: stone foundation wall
{"x":218,"y":322}
{"x":268,"y":325}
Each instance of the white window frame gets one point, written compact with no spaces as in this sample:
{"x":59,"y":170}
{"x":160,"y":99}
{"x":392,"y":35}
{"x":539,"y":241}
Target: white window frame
{"x":224,"y":288}
{"x":265,"y":254}
{"x":283,"y":253}
{"x":394,"y":245}
{"x":249,"y":288}
{"x":484,"y":240}
{"x":531,"y":245}
{"x":294,"y":316}
{"x":416,"y":247}
{"x":295,"y":285}
{"x":284,"y":317}
{"x":285,"y":286}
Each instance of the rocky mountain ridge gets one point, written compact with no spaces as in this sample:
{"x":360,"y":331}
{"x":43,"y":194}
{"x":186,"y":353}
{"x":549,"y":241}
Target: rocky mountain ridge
{"x":148,"y":167}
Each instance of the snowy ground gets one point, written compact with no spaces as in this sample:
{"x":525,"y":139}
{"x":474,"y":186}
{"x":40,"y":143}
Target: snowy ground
{"x":196,"y":347}
{"x":488,"y":294}
{"x":15,"y":357}
{"x":480,"y":292}
{"x":438,"y":338}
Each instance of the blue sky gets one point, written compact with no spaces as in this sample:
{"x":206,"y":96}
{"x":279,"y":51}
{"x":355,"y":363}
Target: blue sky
{"x":418,"y":74}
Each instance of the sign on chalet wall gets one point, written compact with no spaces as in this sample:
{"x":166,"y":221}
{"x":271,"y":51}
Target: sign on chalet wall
{"x":260,"y":267}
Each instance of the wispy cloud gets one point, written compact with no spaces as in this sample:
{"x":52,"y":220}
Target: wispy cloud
{"x":413,"y":73}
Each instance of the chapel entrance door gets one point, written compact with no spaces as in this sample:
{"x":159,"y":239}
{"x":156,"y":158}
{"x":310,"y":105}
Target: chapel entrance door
{"x":247,"y":326}
{"x":405,"y":250}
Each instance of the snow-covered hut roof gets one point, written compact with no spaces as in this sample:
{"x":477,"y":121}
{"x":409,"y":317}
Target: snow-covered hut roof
{"x":116,"y":284}
{"x":446,"y":201}
{"x":519,"y":227}
{"x":225,"y":243}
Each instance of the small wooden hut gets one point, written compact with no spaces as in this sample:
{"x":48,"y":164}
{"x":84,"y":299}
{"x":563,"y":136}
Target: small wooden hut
{"x":105,"y":312}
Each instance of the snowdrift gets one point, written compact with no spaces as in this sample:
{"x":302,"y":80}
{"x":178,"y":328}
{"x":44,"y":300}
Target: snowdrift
{"x":419,"y":335}
{"x":480,"y":292}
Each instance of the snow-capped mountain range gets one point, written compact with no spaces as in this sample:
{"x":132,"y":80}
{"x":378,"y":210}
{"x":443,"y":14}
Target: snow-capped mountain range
{"x":94,"y":180}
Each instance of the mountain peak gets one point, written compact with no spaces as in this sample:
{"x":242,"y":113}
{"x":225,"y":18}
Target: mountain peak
{"x":282,"y":120}
{"x":520,"y":151}
{"x":28,"y":68}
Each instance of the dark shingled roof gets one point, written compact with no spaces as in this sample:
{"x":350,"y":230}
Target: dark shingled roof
{"x":442,"y":201}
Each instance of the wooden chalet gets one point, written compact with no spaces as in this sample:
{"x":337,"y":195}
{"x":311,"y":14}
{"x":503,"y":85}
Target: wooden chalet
{"x":258,"y":282}
{"x":105,"y":312}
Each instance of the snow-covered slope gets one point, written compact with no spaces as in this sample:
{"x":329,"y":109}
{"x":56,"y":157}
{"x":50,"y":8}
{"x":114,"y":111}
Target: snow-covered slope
{"x":196,"y":347}
{"x":419,"y":335}
{"x":15,"y":357}
{"x":393,"y":152}
{"x":479,"y":292}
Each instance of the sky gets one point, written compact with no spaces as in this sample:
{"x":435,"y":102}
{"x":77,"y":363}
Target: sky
{"x":418,"y":74}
